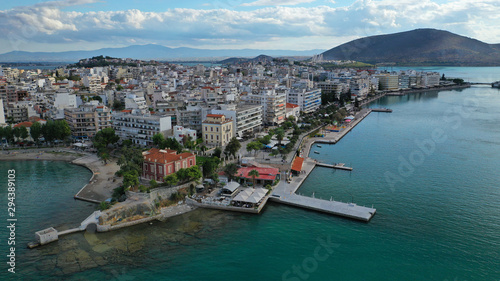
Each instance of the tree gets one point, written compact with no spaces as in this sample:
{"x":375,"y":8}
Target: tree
{"x":280,"y":134}
{"x":105,"y":137}
{"x":217,"y":152}
{"x":17,"y":133}
{"x":158,"y":139}
{"x":254,"y":145}
{"x":230,"y":170}
{"x":130,"y":179}
{"x":36,"y":131}
{"x":194,"y":172}
{"x":182,"y":175}
{"x":61,"y":129}
{"x":23,"y":132}
{"x":210,"y":165}
{"x":232,"y":147}
{"x":254,"y":174}
{"x":118,"y":105}
{"x":171,"y":180}
{"x":8,"y":134}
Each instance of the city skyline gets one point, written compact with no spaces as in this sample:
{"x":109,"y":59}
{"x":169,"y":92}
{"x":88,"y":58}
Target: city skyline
{"x":69,"y":25}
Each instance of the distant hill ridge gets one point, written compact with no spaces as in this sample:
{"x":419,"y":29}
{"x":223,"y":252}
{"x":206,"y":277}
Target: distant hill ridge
{"x":418,"y":47}
{"x":147,"y":52}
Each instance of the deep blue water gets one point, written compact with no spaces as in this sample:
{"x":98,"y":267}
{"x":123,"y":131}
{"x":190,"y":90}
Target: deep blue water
{"x":430,"y":168}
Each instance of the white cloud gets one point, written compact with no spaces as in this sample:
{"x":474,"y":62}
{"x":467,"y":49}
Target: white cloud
{"x":271,"y":27}
{"x":277,"y":2}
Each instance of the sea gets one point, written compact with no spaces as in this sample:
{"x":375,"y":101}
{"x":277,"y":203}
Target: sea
{"x":430,"y":168}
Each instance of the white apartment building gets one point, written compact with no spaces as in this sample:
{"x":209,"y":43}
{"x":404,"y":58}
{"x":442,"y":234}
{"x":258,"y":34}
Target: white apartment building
{"x":140,"y":128}
{"x":273,"y":105}
{"x":388,"y":81}
{"x":308,"y":100}
{"x":247,"y":119}
{"x":179,"y":132}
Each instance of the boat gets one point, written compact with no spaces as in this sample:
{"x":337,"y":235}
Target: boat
{"x":318,"y":145}
{"x":316,"y":152}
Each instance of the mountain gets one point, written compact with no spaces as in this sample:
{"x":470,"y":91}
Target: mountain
{"x":261,"y":58}
{"x":418,"y":47}
{"x":146,"y":52}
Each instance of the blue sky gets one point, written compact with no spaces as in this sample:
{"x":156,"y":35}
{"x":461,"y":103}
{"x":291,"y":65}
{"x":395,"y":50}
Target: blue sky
{"x":62,"y":25}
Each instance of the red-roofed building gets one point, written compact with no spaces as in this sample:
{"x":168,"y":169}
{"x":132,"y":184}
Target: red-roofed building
{"x":292,"y":110}
{"x":160,"y":163}
{"x":266,"y":175}
{"x":297,"y":165}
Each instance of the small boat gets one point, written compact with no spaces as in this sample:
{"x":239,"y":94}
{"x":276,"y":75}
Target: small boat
{"x":318,"y":145}
{"x":316,"y":152}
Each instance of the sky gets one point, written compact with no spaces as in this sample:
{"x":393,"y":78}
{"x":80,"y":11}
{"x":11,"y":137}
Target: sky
{"x":67,"y":25}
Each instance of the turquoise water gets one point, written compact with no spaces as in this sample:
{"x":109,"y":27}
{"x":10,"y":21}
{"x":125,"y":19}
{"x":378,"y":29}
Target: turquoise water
{"x":430,"y":168}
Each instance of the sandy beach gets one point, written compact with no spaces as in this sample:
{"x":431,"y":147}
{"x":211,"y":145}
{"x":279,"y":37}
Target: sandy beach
{"x":100,"y":186}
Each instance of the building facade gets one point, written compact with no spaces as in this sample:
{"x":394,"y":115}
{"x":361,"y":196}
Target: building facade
{"x":160,"y":163}
{"x":217,"y":130}
{"x":86,"y":120}
{"x":140,"y":128}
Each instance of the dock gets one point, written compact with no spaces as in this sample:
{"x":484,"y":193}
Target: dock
{"x":285,"y":193}
{"x":339,"y":166}
{"x":381,"y":110}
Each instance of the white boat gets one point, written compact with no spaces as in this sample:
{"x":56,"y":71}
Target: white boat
{"x":318,"y":145}
{"x":316,"y":152}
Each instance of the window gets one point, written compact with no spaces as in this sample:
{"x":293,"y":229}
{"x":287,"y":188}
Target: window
{"x":217,"y":129}
{"x":211,"y":137}
{"x":211,"y":129}
{"x":190,"y":162}
{"x":217,"y":137}
{"x":206,"y":136}
{"x":169,"y":169}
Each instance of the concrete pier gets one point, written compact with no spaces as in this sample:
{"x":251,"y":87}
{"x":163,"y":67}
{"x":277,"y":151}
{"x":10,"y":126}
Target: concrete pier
{"x":284,"y":193}
{"x":381,"y":110}
{"x":339,"y":166}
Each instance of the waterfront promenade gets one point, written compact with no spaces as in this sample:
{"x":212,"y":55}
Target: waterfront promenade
{"x":285,"y":192}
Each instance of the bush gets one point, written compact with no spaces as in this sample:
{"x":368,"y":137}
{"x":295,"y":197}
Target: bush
{"x":104,"y":205}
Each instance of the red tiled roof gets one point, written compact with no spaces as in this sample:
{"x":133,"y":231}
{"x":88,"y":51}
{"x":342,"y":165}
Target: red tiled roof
{"x":215,"y":115}
{"x":264,"y":173}
{"x":23,"y":124}
{"x":126,"y":111}
{"x":164,"y":156}
{"x":291,"y":105}
{"x":297,"y":164}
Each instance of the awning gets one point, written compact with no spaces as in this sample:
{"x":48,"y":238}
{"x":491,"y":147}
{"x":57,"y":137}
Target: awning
{"x":297,"y":164}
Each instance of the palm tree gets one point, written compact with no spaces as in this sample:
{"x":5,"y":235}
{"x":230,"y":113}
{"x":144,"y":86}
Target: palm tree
{"x":254,"y":174}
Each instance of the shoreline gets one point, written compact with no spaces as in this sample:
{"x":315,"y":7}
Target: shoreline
{"x":100,"y":185}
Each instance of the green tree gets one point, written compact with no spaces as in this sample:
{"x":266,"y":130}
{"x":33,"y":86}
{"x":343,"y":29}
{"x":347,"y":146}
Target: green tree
{"x":217,"y":152}
{"x":210,"y":165}
{"x":36,"y":131}
{"x":23,"y":132}
{"x":232,"y":147}
{"x":194,"y":172}
{"x":130,"y":179}
{"x":182,"y":175}
{"x":105,"y":137}
{"x":8,"y":134}
{"x":280,"y":134}
{"x":254,"y":145}
{"x":230,"y":170}
{"x":254,"y":174}
{"x":171,"y":180}
{"x":17,"y":133}
{"x":158,"y":139}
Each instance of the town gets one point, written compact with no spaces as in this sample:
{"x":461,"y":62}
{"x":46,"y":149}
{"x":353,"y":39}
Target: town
{"x":226,"y":137}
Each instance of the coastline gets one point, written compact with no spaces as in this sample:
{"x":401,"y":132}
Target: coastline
{"x":102,"y":182}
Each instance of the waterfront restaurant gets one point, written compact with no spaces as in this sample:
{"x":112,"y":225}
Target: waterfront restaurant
{"x":230,"y":189}
{"x":250,"y":197}
{"x":266,"y":175}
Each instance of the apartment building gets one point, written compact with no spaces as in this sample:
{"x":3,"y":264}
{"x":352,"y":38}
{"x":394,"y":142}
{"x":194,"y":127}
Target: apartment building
{"x":217,"y":130}
{"x":273,"y":105}
{"x":247,"y":118}
{"x":86,"y":120}
{"x":308,"y":100}
{"x":388,"y":81}
{"x":140,"y":128}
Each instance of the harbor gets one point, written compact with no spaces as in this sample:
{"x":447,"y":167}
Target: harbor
{"x":285,"y":193}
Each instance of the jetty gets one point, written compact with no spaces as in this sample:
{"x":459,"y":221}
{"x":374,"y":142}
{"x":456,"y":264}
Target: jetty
{"x":339,"y":166}
{"x":285,"y":193}
{"x":381,"y":110}
{"x":50,"y":234}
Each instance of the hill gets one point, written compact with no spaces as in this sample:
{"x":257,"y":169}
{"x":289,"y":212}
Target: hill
{"x":146,"y":52}
{"x":261,"y":58}
{"x":418,"y":47}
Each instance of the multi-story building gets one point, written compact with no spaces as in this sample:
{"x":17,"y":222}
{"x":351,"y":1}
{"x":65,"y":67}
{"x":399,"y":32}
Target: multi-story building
{"x":140,"y":128}
{"x":180,"y":132}
{"x":247,"y":119}
{"x":217,"y":130}
{"x":160,"y":163}
{"x":388,"y":81}
{"x":308,"y":100}
{"x":292,"y":110}
{"x":86,"y":120}
{"x":273,"y":105}
{"x":191,"y":117}
{"x":16,"y":113}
